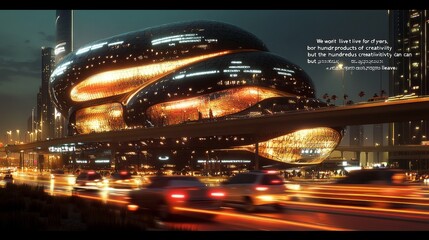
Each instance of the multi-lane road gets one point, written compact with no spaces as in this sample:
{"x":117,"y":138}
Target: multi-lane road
{"x":302,"y":213}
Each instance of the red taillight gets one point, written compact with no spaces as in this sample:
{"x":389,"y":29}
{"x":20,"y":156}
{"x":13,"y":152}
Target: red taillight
{"x":217,"y":194}
{"x":132,"y":207}
{"x":261,"y":188}
{"x":177,"y":196}
{"x":124,"y":173}
{"x":275,"y":181}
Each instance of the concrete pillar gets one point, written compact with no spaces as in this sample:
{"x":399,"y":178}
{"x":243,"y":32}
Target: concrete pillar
{"x":366,"y":159}
{"x":257,"y":156}
{"x":113,"y":158}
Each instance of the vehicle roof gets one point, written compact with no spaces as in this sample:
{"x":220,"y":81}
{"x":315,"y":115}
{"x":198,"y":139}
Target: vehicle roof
{"x":365,"y":176}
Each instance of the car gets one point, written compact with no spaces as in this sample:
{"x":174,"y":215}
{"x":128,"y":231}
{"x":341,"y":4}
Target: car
{"x":254,"y":189}
{"x":165,"y":193}
{"x":377,"y":176}
{"x":8,"y":178}
{"x":57,"y":173}
{"x":377,"y":187}
{"x":89,"y":180}
{"x":123,"y":179}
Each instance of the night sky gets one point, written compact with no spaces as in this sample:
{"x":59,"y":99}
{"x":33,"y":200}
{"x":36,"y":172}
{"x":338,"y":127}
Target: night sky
{"x":285,"y":32}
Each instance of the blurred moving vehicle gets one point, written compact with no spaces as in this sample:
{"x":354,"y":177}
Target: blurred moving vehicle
{"x":8,"y":178}
{"x":57,"y":173}
{"x":381,"y":187}
{"x":255,"y":188}
{"x":123,"y":179}
{"x":382,"y":176}
{"x":89,"y":180}
{"x":166,"y":192}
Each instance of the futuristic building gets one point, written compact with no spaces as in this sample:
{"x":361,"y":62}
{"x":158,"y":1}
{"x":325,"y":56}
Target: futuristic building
{"x":186,"y":72}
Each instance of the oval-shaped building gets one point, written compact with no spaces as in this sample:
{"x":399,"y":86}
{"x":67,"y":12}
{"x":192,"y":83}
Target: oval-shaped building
{"x":189,"y":71}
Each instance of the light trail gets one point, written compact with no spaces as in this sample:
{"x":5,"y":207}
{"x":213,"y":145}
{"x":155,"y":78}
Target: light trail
{"x":408,"y":211}
{"x":323,"y":195}
{"x":264,"y":219}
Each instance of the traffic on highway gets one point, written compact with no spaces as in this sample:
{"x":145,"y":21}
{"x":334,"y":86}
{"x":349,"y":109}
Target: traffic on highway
{"x":379,"y":199}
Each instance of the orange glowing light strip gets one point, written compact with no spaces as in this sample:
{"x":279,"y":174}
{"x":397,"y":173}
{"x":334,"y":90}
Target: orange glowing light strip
{"x":354,"y":188}
{"x":100,"y":118}
{"x":346,"y":207}
{"x":417,"y":190}
{"x":363,"y":200}
{"x":229,"y":101}
{"x":263,"y":219}
{"x":115,"y":82}
{"x":103,"y":199}
{"x":55,"y":193}
{"x":364,"y":195}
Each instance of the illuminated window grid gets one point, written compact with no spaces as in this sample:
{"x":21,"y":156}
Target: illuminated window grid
{"x":101,"y":118}
{"x":220,"y":103}
{"x":115,"y":82}
{"x":289,"y":148}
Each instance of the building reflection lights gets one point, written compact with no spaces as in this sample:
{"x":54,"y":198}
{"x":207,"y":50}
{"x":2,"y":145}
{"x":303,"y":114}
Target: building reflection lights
{"x":106,"y":117}
{"x":189,"y":71}
{"x":121,"y":81}
{"x":308,"y":146}
{"x":207,"y":106}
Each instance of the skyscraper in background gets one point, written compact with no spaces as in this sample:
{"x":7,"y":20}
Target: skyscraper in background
{"x":64,"y":45}
{"x":46,"y":121}
{"x":409,"y":33}
{"x":64,"y":34}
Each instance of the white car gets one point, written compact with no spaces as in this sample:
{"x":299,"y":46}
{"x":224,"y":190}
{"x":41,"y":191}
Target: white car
{"x":255,"y":188}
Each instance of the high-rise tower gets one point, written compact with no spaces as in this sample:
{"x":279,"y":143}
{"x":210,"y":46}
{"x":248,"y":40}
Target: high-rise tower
{"x":64,"y":34}
{"x":47,"y":110}
{"x":409,"y":33}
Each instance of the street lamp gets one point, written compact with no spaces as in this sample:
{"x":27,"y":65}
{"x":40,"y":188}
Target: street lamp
{"x":9,"y":133}
{"x":17,"y":134}
{"x":341,"y":67}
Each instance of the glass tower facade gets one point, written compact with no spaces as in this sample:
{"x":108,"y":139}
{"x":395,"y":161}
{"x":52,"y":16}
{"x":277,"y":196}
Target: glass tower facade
{"x":46,"y":121}
{"x":409,"y":33}
{"x":64,"y":34}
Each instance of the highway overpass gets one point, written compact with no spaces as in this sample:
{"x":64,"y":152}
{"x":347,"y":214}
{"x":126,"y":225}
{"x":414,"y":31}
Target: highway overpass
{"x":357,"y":114}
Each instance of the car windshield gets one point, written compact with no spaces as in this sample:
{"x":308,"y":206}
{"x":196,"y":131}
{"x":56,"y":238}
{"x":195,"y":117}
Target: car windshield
{"x":94,"y":176}
{"x":271,"y":179}
{"x":185,"y":183}
{"x":383,"y":176}
{"x":163,"y":182}
{"x":121,"y":176}
{"x":88,"y":176}
{"x":57,"y":171}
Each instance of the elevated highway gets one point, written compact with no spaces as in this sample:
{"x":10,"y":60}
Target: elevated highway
{"x":357,"y":114}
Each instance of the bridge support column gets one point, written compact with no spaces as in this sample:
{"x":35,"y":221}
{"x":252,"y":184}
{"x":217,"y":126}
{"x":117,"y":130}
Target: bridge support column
{"x":257,"y":156}
{"x":114,"y":159}
{"x":366,"y":159}
{"x":21,"y":160}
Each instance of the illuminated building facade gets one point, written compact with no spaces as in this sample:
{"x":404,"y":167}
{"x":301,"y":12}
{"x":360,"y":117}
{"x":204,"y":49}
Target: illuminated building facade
{"x":184,"y":72}
{"x":409,"y":34}
{"x":64,"y":46}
